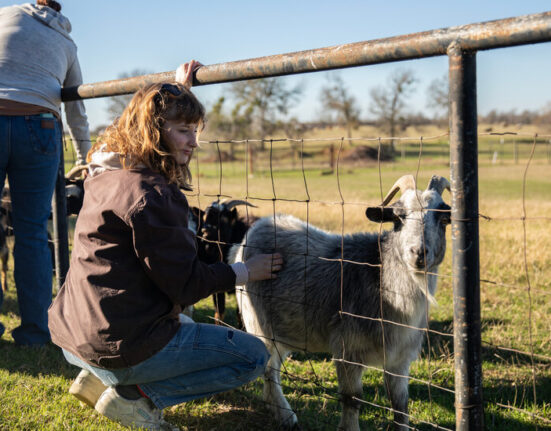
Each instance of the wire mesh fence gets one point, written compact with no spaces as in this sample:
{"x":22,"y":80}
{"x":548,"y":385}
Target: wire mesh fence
{"x":516,"y":354}
{"x":510,"y":345}
{"x":331,"y":192}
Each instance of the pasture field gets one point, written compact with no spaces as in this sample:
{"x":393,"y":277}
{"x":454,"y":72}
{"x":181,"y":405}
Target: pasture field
{"x":515,"y":267}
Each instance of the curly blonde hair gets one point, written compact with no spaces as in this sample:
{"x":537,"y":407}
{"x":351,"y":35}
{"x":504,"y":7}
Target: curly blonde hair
{"x":50,"y":3}
{"x":136,"y":134}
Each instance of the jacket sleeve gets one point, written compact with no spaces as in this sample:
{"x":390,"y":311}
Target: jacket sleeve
{"x":166,"y":248}
{"x":76,"y":115}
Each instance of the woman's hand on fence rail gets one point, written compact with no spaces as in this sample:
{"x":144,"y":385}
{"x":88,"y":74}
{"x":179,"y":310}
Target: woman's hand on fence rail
{"x":184,"y":73}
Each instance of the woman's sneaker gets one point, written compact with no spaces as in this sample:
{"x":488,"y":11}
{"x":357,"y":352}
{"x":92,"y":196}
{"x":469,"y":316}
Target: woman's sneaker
{"x":87,"y":388}
{"x":138,"y":413}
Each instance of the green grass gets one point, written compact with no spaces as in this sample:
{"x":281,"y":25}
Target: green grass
{"x":515,"y":322}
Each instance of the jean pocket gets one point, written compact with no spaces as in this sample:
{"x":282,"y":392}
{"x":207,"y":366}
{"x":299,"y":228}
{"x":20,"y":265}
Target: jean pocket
{"x":45,"y":134}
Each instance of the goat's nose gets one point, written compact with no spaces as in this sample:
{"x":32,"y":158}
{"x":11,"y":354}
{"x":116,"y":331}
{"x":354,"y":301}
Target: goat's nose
{"x":419,"y":253}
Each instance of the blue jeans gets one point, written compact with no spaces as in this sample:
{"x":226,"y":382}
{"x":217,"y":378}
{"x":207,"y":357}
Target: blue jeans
{"x":199,"y":361}
{"x":30,"y":148}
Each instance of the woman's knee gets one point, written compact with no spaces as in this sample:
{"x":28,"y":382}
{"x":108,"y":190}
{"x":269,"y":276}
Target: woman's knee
{"x":260,"y":352}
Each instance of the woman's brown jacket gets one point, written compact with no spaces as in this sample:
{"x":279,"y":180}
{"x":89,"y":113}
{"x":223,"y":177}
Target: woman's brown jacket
{"x":133,"y":267}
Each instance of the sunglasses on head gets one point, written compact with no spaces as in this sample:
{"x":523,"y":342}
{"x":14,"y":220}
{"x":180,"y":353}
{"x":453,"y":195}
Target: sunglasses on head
{"x":170,"y":88}
{"x":167,"y":89}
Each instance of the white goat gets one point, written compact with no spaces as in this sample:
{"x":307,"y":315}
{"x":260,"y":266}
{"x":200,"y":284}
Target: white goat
{"x":388,"y":280}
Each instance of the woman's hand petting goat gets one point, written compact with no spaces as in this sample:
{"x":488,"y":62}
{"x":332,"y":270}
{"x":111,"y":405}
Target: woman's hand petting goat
{"x":264,"y":266}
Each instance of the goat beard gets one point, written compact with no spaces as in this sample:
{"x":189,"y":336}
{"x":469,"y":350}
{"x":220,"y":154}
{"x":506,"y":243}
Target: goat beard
{"x":426,"y":282}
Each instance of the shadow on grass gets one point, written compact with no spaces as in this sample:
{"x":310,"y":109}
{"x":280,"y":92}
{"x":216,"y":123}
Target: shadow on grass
{"x":444,"y":344}
{"x":10,"y":304}
{"x":317,"y":407}
{"x":33,"y":361}
{"x":238,"y":410}
{"x":244,"y":409}
{"x":494,"y":391}
{"x":316,"y":404}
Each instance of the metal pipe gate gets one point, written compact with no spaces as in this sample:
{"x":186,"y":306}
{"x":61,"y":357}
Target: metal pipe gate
{"x":469,"y":413}
{"x":460,"y":44}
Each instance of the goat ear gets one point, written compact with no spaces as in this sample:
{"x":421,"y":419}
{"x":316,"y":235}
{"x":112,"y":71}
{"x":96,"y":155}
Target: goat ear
{"x":233,"y":217}
{"x":445,"y":217}
{"x":197,"y":212}
{"x":380,"y":214}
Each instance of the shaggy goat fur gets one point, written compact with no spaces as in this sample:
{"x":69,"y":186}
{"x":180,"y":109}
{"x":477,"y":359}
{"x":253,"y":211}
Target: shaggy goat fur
{"x":316,"y":305}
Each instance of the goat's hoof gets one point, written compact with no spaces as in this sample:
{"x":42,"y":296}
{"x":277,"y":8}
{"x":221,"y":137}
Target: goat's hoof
{"x":218,"y":318}
{"x":290,"y":423}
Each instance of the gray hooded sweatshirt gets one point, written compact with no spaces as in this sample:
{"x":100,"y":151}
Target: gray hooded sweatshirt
{"x":37,"y":59}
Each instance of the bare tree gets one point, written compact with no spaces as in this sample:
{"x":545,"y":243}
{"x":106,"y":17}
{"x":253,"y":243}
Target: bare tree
{"x":116,"y":104}
{"x":235,"y":125}
{"x":293,"y":128}
{"x":260,"y":101}
{"x":241,"y":119}
{"x":545,"y":116}
{"x":218,"y":123}
{"x":388,"y":103}
{"x":437,"y":97}
{"x":335,"y":98}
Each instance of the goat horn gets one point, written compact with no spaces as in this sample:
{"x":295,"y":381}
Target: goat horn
{"x":229,"y":204}
{"x":76,"y":172}
{"x":438,"y":184}
{"x":404,"y":183}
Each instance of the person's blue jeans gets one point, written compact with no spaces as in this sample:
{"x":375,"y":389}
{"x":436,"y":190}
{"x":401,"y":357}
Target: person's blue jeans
{"x":199,"y":361}
{"x":30,"y":148}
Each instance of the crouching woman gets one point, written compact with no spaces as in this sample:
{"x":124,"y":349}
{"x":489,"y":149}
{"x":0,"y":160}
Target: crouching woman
{"x":134,"y":267}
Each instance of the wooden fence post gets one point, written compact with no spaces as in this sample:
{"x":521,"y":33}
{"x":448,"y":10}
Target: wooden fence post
{"x":250,"y":157}
{"x":332,"y":157}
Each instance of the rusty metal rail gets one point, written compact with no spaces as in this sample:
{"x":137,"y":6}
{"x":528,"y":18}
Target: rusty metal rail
{"x":473,"y":37}
{"x":460,"y":44}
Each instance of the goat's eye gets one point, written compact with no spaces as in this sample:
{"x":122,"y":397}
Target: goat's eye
{"x":444,"y":214}
{"x":401,"y":215}
{"x":445,"y":218}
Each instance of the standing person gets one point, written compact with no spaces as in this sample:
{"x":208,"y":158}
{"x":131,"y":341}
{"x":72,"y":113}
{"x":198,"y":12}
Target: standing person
{"x":134,"y":266}
{"x":37,"y":58}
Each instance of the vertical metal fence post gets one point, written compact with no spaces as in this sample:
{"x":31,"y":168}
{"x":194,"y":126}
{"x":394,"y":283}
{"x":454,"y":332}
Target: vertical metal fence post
{"x":466,"y":272}
{"x":59,"y":221}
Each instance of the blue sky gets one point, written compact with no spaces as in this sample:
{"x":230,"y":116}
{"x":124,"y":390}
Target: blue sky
{"x":115,"y":36}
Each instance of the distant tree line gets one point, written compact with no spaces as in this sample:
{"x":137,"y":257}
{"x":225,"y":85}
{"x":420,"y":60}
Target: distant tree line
{"x":513,"y":117}
{"x":259,"y":108}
